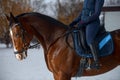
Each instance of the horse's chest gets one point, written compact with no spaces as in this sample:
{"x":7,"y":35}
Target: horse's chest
{"x":52,"y":60}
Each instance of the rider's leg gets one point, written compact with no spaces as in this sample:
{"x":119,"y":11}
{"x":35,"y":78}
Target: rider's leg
{"x":91,"y":32}
{"x":94,"y":50}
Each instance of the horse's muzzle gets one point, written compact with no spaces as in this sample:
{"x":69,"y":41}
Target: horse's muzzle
{"x":21,"y":55}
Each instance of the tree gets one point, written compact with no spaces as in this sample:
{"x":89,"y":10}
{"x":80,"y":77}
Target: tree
{"x":39,"y":6}
{"x":68,"y":10}
{"x":7,"y":6}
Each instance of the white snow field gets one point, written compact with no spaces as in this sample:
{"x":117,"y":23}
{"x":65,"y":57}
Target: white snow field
{"x":34,"y":67}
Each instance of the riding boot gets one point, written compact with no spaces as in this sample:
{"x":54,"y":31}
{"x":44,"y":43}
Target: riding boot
{"x":94,"y":50}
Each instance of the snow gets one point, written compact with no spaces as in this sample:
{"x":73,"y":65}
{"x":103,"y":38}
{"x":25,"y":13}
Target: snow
{"x":34,"y":67}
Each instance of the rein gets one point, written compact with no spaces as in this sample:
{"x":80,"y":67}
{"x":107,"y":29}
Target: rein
{"x":23,"y":31}
{"x":34,"y":45}
{"x":67,"y":33}
{"x":31,"y":46}
{"x":70,"y":32}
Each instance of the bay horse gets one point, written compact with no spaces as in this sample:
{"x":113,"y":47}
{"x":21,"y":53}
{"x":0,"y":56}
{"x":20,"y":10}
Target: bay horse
{"x":60,"y":58}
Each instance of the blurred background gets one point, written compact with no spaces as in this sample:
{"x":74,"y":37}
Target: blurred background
{"x":64,"y":11}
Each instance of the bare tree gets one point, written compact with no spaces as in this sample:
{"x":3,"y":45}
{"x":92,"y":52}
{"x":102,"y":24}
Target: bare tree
{"x":7,"y":6}
{"x":39,"y":6}
{"x":68,"y":10}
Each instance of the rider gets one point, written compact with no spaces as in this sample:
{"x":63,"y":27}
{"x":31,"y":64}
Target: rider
{"x":89,"y":17}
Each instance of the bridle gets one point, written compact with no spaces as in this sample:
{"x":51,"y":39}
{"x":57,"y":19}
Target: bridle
{"x":24,"y":49}
{"x":23,"y":32}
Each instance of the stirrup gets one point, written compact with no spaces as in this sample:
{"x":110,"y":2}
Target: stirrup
{"x":96,"y":65}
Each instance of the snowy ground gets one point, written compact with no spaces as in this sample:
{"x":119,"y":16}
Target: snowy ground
{"x":34,"y":67}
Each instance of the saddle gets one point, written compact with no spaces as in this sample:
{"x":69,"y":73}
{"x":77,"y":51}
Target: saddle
{"x":103,"y":40}
{"x":104,"y":43}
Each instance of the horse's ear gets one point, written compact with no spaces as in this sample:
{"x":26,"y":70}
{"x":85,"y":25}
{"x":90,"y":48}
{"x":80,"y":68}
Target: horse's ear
{"x":12,"y":18}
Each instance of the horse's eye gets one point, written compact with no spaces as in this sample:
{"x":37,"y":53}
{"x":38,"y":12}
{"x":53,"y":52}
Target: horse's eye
{"x":17,"y":35}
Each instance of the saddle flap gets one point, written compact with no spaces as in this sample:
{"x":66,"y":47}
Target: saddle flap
{"x":105,"y":44}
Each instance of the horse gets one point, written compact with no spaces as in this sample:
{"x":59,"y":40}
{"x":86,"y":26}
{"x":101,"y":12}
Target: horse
{"x":60,"y":58}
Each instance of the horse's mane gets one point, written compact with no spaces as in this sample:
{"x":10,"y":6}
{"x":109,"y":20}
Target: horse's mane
{"x":48,"y":18}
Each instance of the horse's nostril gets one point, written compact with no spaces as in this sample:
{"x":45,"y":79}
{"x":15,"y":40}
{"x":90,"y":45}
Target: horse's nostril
{"x":19,"y":57}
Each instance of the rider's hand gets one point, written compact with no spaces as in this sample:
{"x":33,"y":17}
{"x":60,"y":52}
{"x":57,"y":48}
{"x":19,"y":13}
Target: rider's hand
{"x":71,"y":24}
{"x":82,"y":22}
{"x":80,"y":25}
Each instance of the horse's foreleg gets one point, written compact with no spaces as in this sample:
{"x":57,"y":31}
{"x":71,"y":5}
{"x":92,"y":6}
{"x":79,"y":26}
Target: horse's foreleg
{"x":62,"y":76}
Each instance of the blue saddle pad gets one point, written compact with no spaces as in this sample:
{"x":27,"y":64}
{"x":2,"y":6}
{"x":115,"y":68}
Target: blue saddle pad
{"x":105,"y":44}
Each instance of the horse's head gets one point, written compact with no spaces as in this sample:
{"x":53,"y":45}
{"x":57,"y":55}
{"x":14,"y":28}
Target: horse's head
{"x":20,"y":38}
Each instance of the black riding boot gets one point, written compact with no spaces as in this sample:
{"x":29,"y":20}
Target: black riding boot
{"x":94,"y":50}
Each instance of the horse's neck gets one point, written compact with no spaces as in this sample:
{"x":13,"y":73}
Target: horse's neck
{"x":47,"y":36}
{"x":47,"y":30}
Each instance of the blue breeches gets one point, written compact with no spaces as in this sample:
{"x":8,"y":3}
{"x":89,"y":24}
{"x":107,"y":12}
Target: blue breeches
{"x":91,"y":31}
